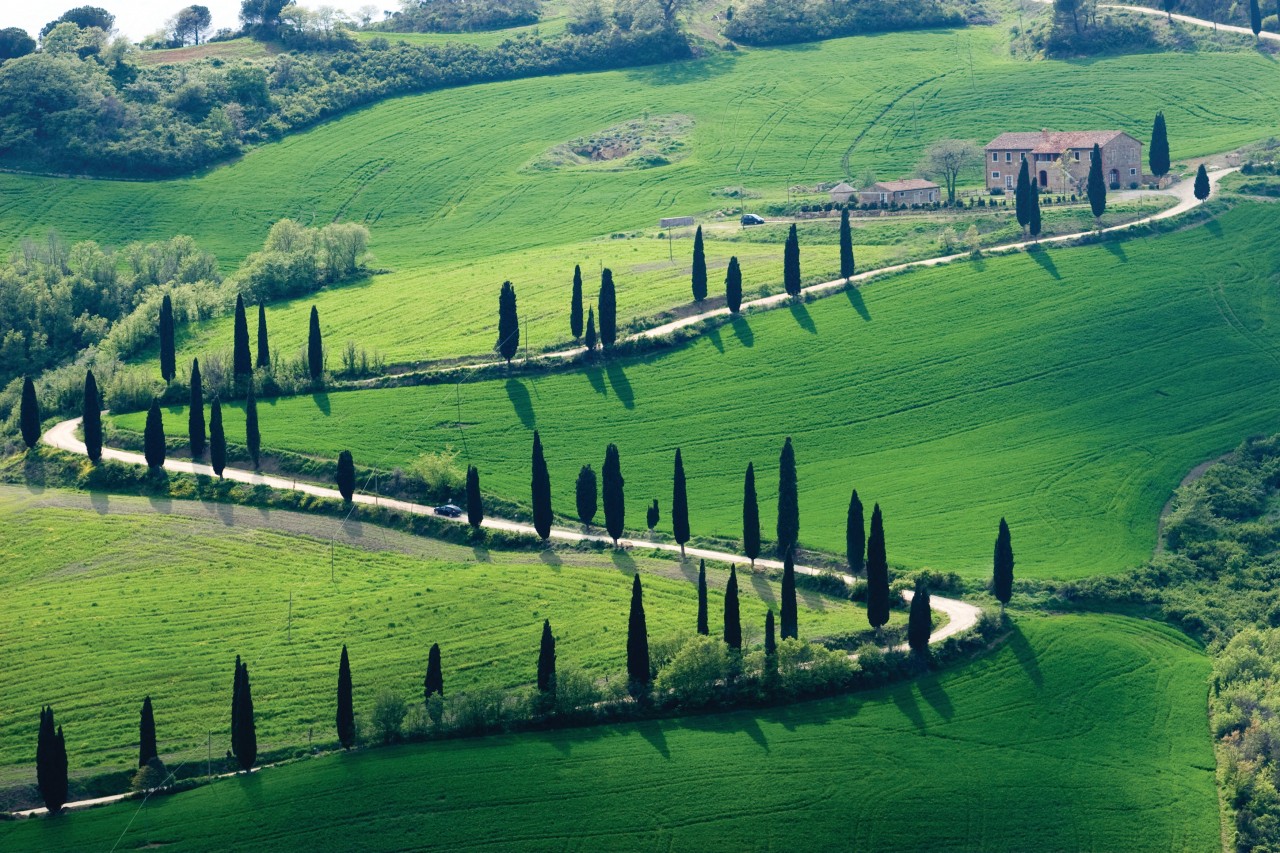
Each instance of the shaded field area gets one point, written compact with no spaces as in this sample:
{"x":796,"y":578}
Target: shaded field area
{"x":1078,"y":733}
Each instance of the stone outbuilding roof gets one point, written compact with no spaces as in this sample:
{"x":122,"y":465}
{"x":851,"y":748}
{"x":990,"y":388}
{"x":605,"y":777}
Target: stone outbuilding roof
{"x":1053,"y":141}
{"x":904,"y":185}
{"x":842,"y":187}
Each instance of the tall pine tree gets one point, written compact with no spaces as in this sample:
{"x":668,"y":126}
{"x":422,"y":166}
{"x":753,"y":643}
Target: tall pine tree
{"x":252,"y":435}
{"x":168,"y":355}
{"x":637,"y":641}
{"x":153,"y":446}
{"x":586,"y":495}
{"x":433,"y":684}
{"x":791,"y":263}
{"x":790,"y":614}
{"x":612,"y":494}
{"x":91,"y":418}
{"x":1096,"y":188}
{"x":217,"y":438}
{"x":475,"y":503}
{"x":1158,"y":152}
{"x":847,"y":267}
{"x":541,"y":486}
{"x":195,"y":413}
{"x":315,"y":347}
{"x":346,"y":477}
{"x":29,"y":414}
{"x":1002,"y":567}
{"x":877,"y":573}
{"x":1022,"y":196}
{"x":703,"y":627}
{"x":679,"y":505}
{"x":733,"y":286}
{"x":241,"y":361}
{"x":508,"y":323}
{"x":855,"y":536}
{"x":608,"y":309}
{"x":547,"y":660}
{"x":788,"y":501}
{"x":920,"y":621}
{"x":750,"y":517}
{"x":1202,"y":187}
{"x":732,"y":616}
{"x":699,"y":277}
{"x":264,"y":348}
{"x":346,"y":707}
{"x":146,"y":733}
{"x":575,"y":304}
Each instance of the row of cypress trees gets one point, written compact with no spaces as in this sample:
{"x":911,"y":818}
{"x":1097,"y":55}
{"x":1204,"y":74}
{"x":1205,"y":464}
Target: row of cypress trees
{"x":154,"y":440}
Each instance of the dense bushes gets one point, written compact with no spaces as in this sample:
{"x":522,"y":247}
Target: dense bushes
{"x":764,"y":22}
{"x":1245,"y":710}
{"x":449,"y":16}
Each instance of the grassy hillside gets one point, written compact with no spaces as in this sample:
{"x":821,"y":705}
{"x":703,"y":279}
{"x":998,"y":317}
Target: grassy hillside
{"x":1068,"y":390}
{"x":115,"y":598}
{"x":1080,"y":733}
{"x":441,"y":178}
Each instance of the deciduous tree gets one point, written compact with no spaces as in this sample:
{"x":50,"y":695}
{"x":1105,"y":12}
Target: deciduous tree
{"x":1002,"y":566}
{"x":346,"y":718}
{"x":788,"y":500}
{"x":608,"y":309}
{"x":750,"y":517}
{"x":877,"y":573}
{"x":217,"y":438}
{"x":638,"y":673}
{"x":699,"y":276}
{"x":242,"y":362}
{"x":29,"y":414}
{"x":508,"y":323}
{"x":612,"y":493}
{"x":733,"y":286}
{"x":791,"y":263}
{"x":586,"y":495}
{"x":946,"y":160}
{"x":346,"y":476}
{"x":168,"y":356}
{"x":575,"y":304}
{"x":855,"y":536}
{"x":732,"y":616}
{"x":541,"y":491}
{"x":1158,"y":152}
{"x":547,"y":660}
{"x":433,"y":684}
{"x":679,"y":505}
{"x":790,"y":615}
{"x":91,"y":418}
{"x":475,"y":504}
{"x":153,"y":446}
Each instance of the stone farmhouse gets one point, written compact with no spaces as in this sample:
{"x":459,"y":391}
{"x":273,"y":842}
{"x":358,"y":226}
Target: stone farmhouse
{"x":908,"y":191}
{"x":1060,"y":159}
{"x":841,"y":193}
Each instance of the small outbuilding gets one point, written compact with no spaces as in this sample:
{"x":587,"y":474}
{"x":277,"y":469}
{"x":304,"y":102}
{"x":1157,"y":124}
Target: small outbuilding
{"x":841,"y":193}
{"x":909,"y":191}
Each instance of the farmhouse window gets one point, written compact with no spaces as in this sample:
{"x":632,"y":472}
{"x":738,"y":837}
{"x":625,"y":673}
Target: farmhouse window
{"x":1077,"y":155}
{"x":1008,"y":156}
{"x":995,"y":175}
{"x":1133,"y":171}
{"x":995,"y":156}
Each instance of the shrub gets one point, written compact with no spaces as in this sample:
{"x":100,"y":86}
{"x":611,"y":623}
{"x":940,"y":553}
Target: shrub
{"x":150,"y":776}
{"x":696,"y":671}
{"x":439,"y":471}
{"x":388,"y":715}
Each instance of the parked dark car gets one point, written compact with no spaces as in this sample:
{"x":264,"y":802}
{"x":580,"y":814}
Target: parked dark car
{"x":450,"y":510}
{"x":752,"y":219}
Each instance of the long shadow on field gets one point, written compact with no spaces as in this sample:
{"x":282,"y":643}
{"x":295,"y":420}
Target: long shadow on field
{"x":322,"y":402}
{"x":679,"y":73}
{"x":742,"y":329}
{"x":622,"y":560}
{"x":519,"y":396}
{"x":714,"y":336}
{"x":764,"y":590}
{"x":855,"y":299}
{"x":812,"y":600}
{"x":715,"y":724}
{"x":1040,"y":255}
{"x":102,"y":503}
{"x":481,"y":554}
{"x":905,"y":699}
{"x":551,"y":558}
{"x":652,"y":732}
{"x":801,"y":313}
{"x":937,"y":698}
{"x":596,"y":377}
{"x":621,"y":387}
{"x":1213,"y":227}
{"x":1026,"y":656}
{"x":1116,"y":248}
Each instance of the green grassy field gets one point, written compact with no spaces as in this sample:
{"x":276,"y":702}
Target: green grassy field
{"x":1068,"y":390}
{"x":1079,"y":733}
{"x":545,"y":28}
{"x":113,"y":598}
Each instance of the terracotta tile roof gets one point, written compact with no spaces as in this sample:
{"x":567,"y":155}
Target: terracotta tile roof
{"x":904,"y":185}
{"x":842,"y":187}
{"x":1052,"y":141}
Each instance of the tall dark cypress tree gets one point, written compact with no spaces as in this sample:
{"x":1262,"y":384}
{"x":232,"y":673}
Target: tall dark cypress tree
{"x":1002,"y":567}
{"x":242,"y":362}
{"x":750,"y":517}
{"x":679,"y":505}
{"x":732,"y":616}
{"x":1096,"y":188}
{"x":91,"y":418}
{"x":920,"y":621}
{"x":252,"y":435}
{"x":146,"y":734}
{"x":608,"y":309}
{"x":591,"y":340}
{"x":1033,"y":219}
{"x":51,"y":763}
{"x":217,"y":439}
{"x":29,"y":414}
{"x":264,"y":348}
{"x":346,"y":478}
{"x":847,"y":267}
{"x":575,"y":304}
{"x":703,"y":627}
{"x":855,"y":536}
{"x":1202,"y":188}
{"x":547,"y":660}
{"x":790,"y":614}
{"x":586,"y":494}
{"x":195,"y":413}
{"x":315,"y":347}
{"x":791,"y":263}
{"x":434,"y":682}
{"x":699,"y":278}
{"x":733,"y":286}
{"x":153,"y":437}
{"x":346,"y":705}
{"x":541,"y":491}
{"x":235,"y":705}
{"x":508,"y":323}
{"x":168,"y":355}
{"x":770,"y":644}
{"x":475,"y":504}
{"x":788,"y":500}
{"x":244,"y":738}
{"x":877,"y":573}
{"x":1255,"y":18}
{"x":611,"y":491}
{"x":1022,"y":196}
{"x":1158,"y":152}
{"x":637,"y":641}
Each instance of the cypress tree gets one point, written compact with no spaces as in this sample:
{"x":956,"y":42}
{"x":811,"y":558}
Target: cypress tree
{"x":58,"y":760}
{"x":264,"y":350}
{"x":91,"y":418}
{"x":586,"y":494}
{"x":847,"y":267}
{"x":244,"y":738}
{"x":733,"y":286}
{"x":235,"y":704}
{"x":547,"y":660}
{"x":877,"y":573}
{"x":346,"y":475}
{"x":1022,"y":196}
{"x":252,"y":436}
{"x":217,"y":439}
{"x":146,"y":734}
{"x":51,"y":763}
{"x":611,"y":492}
{"x":770,"y":646}
{"x":750,"y":517}
{"x":508,"y":323}
{"x":153,"y":437}
{"x":699,"y":279}
{"x":920,"y":621}
{"x":1002,"y":567}
{"x":346,"y":707}
{"x":637,"y":640}
{"x":1255,"y":18}
{"x":1158,"y":153}
{"x":541,"y":491}
{"x":651,"y":515}
{"x":434,"y":682}
{"x":855,"y":536}
{"x":789,"y":615}
{"x":475,"y":505}
{"x":575,"y":304}
{"x":679,"y":506}
{"x":242,"y":363}
{"x":195,"y":413}
{"x":788,"y":502}
{"x":591,"y":340}
{"x":732,"y":617}
{"x":29,"y":414}
{"x":1097,"y":186}
{"x":703,"y":627}
{"x":315,"y":347}
{"x":168,"y":356}
{"x":1033,"y":221}
{"x":1202,"y":187}
{"x":791,"y":263}
{"x":608,"y":309}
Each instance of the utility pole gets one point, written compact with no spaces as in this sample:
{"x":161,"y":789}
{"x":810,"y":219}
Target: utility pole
{"x":332,"y":579}
{"x":208,"y":767}
{"x":289,"y":622}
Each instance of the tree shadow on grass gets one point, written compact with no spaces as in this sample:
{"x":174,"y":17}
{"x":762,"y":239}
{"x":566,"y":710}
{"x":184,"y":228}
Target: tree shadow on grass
{"x":481,"y":554}
{"x":1116,"y":248}
{"x":713,"y":335}
{"x":1026,"y":656}
{"x":1213,"y":227}
{"x":621,"y":387}
{"x":931,"y":690}
{"x":551,"y":558}
{"x":905,"y":698}
{"x":811,"y":599}
{"x":855,"y":299}
{"x":623,"y":561}
{"x":680,"y":73}
{"x":321,"y":400}
{"x":742,"y":330}
{"x":652,"y":732}
{"x":596,"y":377}
{"x":763,"y":589}
{"x":1040,"y":255}
{"x":801,"y":313}
{"x":519,"y":396}
{"x":101,"y":502}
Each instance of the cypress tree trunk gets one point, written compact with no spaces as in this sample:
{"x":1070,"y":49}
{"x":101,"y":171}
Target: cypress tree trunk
{"x":168,"y":356}
{"x":679,"y":505}
{"x":791,"y":263}
{"x":475,"y":504}
{"x":1002,"y":567}
{"x":146,"y":734}
{"x":703,"y":627}
{"x":195,"y":412}
{"x":587,"y":496}
{"x":733,"y":286}
{"x":315,"y":347}
{"x":846,"y":246}
{"x":29,"y":414}
{"x":790,"y":615}
{"x":611,"y":489}
{"x":591,"y":340}
{"x":1033,"y":213}
{"x":217,"y":439}
{"x":750,"y":517}
{"x":1158,"y":152}
{"x":153,"y":447}
{"x":547,"y":660}
{"x":732,"y":617}
{"x":575,"y":304}
{"x":91,"y":418}
{"x":919,"y":622}
{"x":608,"y":304}
{"x":877,"y":573}
{"x":252,"y":437}
{"x":637,"y":642}
{"x":541,"y":491}
{"x":1022,"y":196}
{"x":508,"y":323}
{"x":788,"y":501}
{"x":242,"y":363}
{"x":346,"y":475}
{"x":855,"y":536}
{"x":1202,"y":187}
{"x":1097,"y":186}
{"x":433,"y":684}
{"x":699,"y":278}
{"x":264,"y":350}
{"x":346,"y":707}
